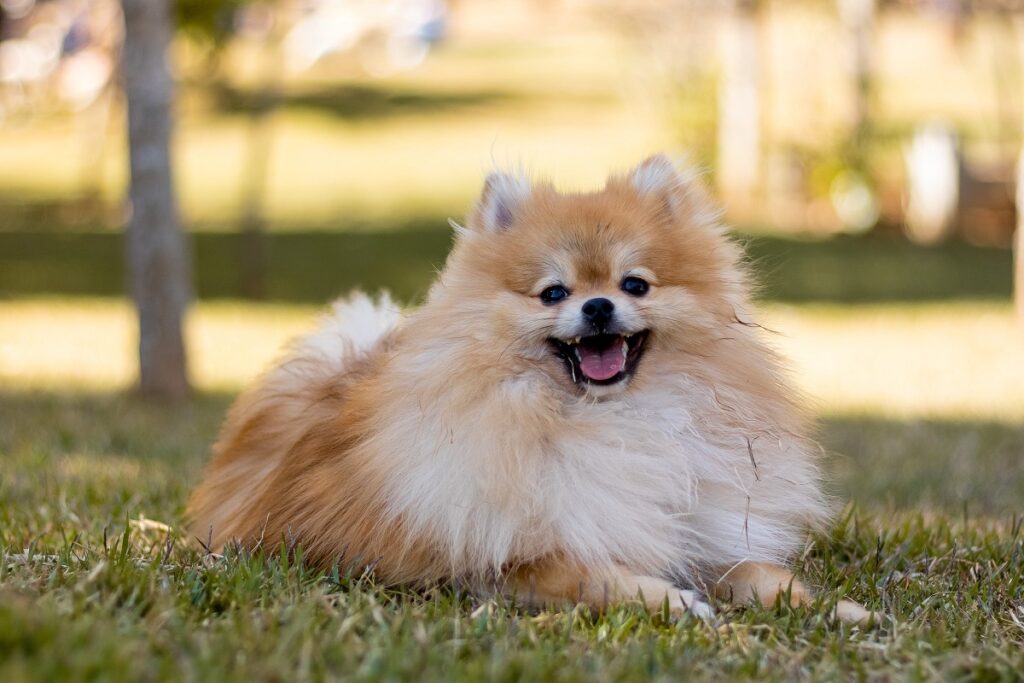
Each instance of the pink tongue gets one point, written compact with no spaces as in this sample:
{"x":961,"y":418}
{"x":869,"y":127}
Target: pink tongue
{"x":601,"y":365}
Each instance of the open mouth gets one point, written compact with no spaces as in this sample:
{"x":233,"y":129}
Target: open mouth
{"x":601,"y":359}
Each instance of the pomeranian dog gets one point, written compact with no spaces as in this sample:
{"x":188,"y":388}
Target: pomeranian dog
{"x":582,"y":411}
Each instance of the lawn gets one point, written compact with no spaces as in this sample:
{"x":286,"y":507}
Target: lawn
{"x":93,"y":585}
{"x":347,"y":146}
{"x":910,"y":358}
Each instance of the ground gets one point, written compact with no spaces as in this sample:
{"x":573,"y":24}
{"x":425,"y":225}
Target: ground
{"x":910,"y":358}
{"x":93,"y":585}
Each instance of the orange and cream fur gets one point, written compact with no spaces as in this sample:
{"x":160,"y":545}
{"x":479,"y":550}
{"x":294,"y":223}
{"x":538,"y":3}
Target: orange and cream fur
{"x":515,"y":436}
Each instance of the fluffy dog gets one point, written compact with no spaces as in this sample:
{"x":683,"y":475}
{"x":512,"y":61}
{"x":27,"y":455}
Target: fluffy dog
{"x":582,"y":410}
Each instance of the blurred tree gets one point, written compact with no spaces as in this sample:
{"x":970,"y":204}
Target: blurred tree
{"x":209,"y":21}
{"x":157,"y":258}
{"x":253,"y":257}
{"x":211,"y":24}
{"x":858,"y":18}
{"x":739,"y":106}
{"x":1018,"y":243}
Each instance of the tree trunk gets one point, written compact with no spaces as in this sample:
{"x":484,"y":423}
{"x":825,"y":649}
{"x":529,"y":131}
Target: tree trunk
{"x":739,"y":113}
{"x":1018,"y":278}
{"x":157,"y":258}
{"x":1018,"y":238}
{"x":1018,"y":244}
{"x":858,"y":19}
{"x":257,"y":168}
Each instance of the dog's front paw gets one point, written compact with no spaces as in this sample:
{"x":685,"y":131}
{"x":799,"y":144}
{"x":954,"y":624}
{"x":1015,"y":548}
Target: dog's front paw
{"x":682,"y":602}
{"x":853,"y":613}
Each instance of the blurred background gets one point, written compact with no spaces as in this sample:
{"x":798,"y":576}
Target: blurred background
{"x":866,"y":151}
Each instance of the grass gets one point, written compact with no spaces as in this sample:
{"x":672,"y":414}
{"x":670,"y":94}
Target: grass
{"x":921,"y":408}
{"x":89,"y":592}
{"x":911,"y":354}
{"x":92,"y":588}
{"x":379,"y":150}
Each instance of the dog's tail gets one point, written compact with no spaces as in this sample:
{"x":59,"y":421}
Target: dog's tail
{"x":350,"y":331}
{"x":352,"y":328}
{"x":269,"y":418}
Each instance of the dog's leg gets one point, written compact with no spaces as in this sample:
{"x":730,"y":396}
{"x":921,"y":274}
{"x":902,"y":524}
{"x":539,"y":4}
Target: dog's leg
{"x":561,"y":582}
{"x":764,"y":582}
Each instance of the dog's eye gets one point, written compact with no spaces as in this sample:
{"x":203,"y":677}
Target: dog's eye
{"x":554,"y":294}
{"x":635,"y":286}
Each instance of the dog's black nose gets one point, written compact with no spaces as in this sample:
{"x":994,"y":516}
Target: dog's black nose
{"x":598,"y":311}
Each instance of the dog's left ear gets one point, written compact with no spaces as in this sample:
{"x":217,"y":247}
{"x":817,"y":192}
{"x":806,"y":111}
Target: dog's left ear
{"x":658,"y":176}
{"x":502,"y":197}
{"x":677,"y":187}
{"x":655,"y":175}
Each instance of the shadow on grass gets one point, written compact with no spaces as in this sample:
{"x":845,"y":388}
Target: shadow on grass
{"x":358,"y":102}
{"x":312,"y":267}
{"x":302,"y":267}
{"x":878,"y":268}
{"x":966,"y":467}
{"x":948,"y":466}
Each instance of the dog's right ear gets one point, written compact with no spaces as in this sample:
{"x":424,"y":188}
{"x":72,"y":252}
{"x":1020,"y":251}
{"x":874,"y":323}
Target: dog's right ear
{"x":500,"y":201}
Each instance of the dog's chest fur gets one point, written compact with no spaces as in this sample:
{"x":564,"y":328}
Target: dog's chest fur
{"x":649,"y":480}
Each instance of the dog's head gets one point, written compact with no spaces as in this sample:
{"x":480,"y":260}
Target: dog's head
{"x":594,"y":290}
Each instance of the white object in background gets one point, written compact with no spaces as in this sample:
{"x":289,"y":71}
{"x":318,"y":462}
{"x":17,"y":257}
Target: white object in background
{"x":933,"y":183}
{"x":854,"y":202}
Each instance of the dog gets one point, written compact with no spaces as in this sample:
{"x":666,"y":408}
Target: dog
{"x":583,"y":410}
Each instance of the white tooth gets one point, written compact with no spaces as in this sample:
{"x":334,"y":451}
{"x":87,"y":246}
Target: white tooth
{"x":579,"y":356}
{"x":576,"y":340}
{"x":625,"y":350}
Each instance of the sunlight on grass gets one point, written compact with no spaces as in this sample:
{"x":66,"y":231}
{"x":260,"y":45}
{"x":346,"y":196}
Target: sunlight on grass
{"x":927,"y":360}
{"x":55,"y":345}
{"x":959,"y":360}
{"x":414,"y":145}
{"x":323,"y":170}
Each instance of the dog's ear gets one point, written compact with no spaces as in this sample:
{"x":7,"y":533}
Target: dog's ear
{"x":501,"y":199}
{"x":656,"y":175}
{"x":677,"y":187}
